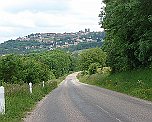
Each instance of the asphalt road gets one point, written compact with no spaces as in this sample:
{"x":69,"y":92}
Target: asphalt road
{"x":73,"y":101}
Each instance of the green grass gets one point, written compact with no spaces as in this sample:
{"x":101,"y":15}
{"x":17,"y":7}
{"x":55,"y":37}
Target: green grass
{"x":136,"y":83}
{"x":19,"y":101}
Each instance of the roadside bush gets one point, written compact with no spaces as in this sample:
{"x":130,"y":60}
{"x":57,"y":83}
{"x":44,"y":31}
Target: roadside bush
{"x":106,"y":70}
{"x":93,"y":68}
{"x":89,"y":56}
{"x":84,"y":73}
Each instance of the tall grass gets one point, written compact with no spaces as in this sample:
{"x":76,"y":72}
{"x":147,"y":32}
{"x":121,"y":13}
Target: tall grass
{"x":19,"y":101}
{"x":136,"y":83}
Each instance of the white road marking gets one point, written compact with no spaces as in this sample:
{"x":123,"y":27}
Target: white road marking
{"x":103,"y":109}
{"x":108,"y":113}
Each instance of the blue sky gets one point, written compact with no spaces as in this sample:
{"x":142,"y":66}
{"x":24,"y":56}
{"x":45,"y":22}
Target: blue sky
{"x":23,"y":17}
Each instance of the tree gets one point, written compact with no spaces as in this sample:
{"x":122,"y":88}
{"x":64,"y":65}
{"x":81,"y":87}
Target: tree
{"x":128,"y":28}
{"x":89,"y":56}
{"x":20,"y":69}
{"x":35,"y":67}
{"x":36,"y":72}
{"x":9,"y":68}
{"x":58,"y":61}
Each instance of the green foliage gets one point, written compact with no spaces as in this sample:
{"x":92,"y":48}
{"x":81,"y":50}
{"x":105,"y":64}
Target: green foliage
{"x":10,"y":66}
{"x":93,"y":68}
{"x":58,"y":61}
{"x":17,"y":47}
{"x":128,"y":28}
{"x":106,"y":70}
{"x":89,"y":56}
{"x":74,"y":62}
{"x":136,"y":83}
{"x":34,"y":67}
{"x":36,"y":71}
{"x":83,"y":45}
{"x":19,"y":69}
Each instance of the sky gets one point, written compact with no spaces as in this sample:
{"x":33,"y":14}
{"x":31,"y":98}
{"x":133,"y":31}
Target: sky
{"x":19,"y":18}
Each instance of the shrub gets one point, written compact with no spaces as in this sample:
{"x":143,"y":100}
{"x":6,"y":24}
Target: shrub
{"x":93,"y":68}
{"x":106,"y":70}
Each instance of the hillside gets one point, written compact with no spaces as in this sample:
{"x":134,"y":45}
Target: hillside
{"x":49,"y":41}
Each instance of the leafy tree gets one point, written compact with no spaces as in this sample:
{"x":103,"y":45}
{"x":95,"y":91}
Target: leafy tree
{"x":9,"y":68}
{"x":18,"y":69}
{"x":89,"y":56}
{"x":58,"y":61}
{"x":35,"y":71}
{"x":128,"y":28}
{"x":35,"y":67}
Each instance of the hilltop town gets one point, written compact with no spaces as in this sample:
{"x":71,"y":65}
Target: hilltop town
{"x":63,"y":40}
{"x":51,"y":41}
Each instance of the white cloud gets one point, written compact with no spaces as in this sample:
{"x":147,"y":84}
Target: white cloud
{"x":22,"y":17}
{"x":15,"y":6}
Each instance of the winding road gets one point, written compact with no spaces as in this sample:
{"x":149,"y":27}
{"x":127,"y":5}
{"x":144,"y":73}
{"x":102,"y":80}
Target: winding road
{"x":73,"y":101}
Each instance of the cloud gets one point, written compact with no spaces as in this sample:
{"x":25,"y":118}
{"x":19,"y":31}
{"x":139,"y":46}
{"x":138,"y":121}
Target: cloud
{"x":22,"y":17}
{"x":16,"y":6}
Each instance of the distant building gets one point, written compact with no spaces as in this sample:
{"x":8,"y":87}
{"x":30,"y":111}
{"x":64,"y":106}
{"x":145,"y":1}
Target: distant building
{"x":87,"y":30}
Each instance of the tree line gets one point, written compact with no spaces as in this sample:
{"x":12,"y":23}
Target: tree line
{"x":34,"y":67}
{"x":38,"y":67}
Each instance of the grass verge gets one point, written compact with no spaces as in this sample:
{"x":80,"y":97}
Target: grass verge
{"x":19,"y":101}
{"x":137,"y":83}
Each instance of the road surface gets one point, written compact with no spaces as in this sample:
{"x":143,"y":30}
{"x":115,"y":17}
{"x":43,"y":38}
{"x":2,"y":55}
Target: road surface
{"x":73,"y":101}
